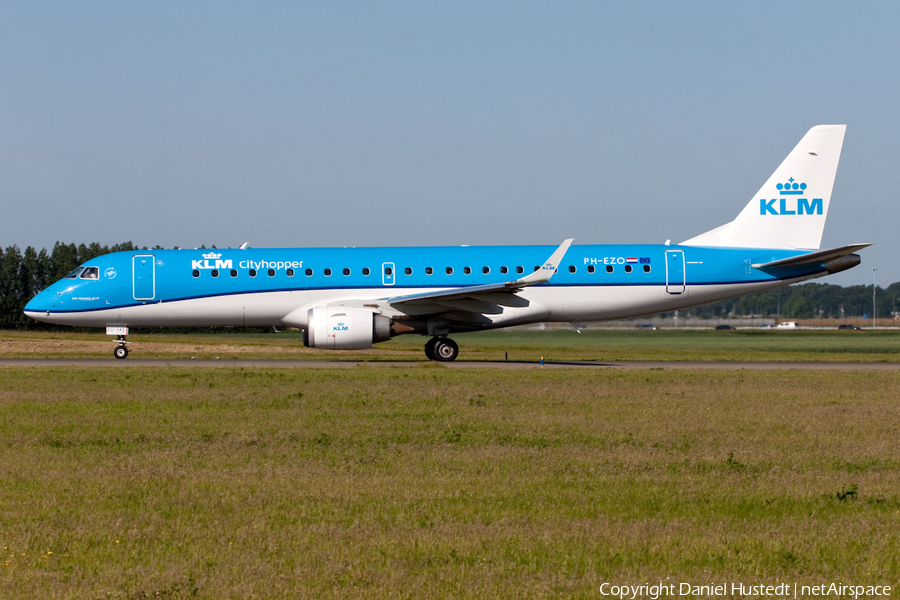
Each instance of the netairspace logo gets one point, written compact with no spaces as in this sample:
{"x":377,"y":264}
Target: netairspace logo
{"x":790,"y":206}
{"x":781,"y":590}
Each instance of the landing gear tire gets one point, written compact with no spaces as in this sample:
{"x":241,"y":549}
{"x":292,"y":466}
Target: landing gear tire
{"x":120,"y":352}
{"x":429,"y":348}
{"x":445,"y":350}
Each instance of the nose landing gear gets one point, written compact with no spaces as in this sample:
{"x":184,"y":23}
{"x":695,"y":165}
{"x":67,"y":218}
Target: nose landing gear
{"x":121,"y":350}
{"x":441,"y":349}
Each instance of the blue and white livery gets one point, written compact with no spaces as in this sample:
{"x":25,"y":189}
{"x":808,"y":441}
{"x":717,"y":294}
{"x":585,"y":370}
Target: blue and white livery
{"x":350,"y":298}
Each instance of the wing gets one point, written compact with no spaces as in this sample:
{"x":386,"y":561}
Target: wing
{"x":464,"y":307}
{"x":542,"y":275}
{"x":470,"y":305}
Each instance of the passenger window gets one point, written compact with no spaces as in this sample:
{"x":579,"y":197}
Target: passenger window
{"x":290,"y":272}
{"x":486,"y":270}
{"x":271,"y":272}
{"x":388,"y":271}
{"x":91,"y":273}
{"x":346,"y":271}
{"x":537,"y":268}
{"x":429,"y":270}
{"x":309,"y":272}
{"x":646,"y":268}
{"x":408,"y":270}
{"x":609,"y":268}
{"x":195,"y":273}
{"x":571,"y":268}
{"x":449,"y":270}
{"x":327,"y":272}
{"x":628,"y":268}
{"x":520,"y":270}
{"x":233,"y":273}
{"x":74,"y":273}
{"x":467,"y":270}
{"x":214,"y":273}
{"x":590,"y":268}
{"x":252,"y":272}
{"x":504,"y":270}
{"x":366,"y":270}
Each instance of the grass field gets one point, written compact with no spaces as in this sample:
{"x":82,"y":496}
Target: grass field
{"x":519,"y":345}
{"x":414,"y":482}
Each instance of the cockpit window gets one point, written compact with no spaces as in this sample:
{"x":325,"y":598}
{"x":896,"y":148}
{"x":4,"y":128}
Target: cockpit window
{"x":91,"y":273}
{"x":74,"y":273}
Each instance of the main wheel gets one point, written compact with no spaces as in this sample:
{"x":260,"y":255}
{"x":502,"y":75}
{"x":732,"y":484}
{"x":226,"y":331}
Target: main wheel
{"x":446,"y":350}
{"x":429,"y":348}
{"x":120,"y":352}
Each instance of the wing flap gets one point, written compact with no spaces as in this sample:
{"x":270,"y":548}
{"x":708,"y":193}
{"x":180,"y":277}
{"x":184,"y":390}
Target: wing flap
{"x":472,"y":305}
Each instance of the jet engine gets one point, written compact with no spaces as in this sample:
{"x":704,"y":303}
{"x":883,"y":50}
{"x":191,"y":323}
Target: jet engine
{"x":345,"y":328}
{"x":842,"y":264}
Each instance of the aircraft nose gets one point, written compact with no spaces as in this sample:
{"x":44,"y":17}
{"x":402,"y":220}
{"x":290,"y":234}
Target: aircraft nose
{"x":38,"y":306}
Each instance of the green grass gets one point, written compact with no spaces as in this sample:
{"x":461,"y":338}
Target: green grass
{"x":555,"y":345}
{"x":754,"y":345}
{"x":429,"y":482}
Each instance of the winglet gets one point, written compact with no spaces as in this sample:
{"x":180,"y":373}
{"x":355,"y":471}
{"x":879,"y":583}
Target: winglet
{"x":547,"y":270}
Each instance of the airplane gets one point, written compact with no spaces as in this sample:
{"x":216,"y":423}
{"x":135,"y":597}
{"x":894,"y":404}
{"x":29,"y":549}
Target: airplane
{"x":352,"y":298}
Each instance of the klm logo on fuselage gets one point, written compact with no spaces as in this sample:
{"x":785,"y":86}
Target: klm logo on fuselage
{"x":211,"y":261}
{"x":786,"y":205}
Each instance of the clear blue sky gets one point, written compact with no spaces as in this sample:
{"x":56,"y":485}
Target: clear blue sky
{"x":332,"y":124}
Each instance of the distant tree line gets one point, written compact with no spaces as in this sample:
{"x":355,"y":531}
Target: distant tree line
{"x":24,"y":274}
{"x":805,"y":301}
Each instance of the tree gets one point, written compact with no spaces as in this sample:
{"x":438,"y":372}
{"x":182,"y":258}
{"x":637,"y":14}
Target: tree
{"x":798,"y":307}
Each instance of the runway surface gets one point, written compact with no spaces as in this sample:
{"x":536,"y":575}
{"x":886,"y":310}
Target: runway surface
{"x":337,"y":364}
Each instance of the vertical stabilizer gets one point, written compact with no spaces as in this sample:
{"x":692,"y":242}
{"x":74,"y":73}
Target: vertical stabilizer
{"x":789,"y":210}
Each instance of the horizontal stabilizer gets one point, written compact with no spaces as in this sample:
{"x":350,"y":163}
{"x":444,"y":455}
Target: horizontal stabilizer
{"x":823,"y":256}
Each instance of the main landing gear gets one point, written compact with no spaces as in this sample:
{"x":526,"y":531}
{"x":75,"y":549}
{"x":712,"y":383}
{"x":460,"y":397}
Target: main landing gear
{"x":442,"y":349}
{"x":121,"y":350}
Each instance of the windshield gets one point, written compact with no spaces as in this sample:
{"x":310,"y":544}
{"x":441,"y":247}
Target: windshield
{"x":74,"y":273}
{"x":91,"y":273}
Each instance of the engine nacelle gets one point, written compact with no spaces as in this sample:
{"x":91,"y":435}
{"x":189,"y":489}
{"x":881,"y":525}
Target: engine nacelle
{"x":842,"y":264}
{"x":345,"y":328}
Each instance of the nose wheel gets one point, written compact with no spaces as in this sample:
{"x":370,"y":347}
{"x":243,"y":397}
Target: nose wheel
{"x":121,"y":350}
{"x":441,"y":349}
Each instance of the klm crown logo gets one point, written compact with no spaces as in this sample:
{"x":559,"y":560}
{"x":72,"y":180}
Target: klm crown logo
{"x":802,"y":206}
{"x":212,"y":256}
{"x":791,"y":187}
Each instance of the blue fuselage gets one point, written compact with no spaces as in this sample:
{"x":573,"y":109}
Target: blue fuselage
{"x":262,"y":286}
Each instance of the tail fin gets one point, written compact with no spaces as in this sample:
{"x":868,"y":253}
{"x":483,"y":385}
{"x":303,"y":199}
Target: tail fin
{"x":789,"y":211}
